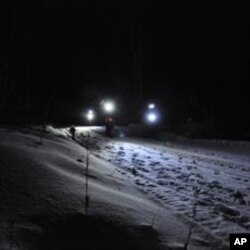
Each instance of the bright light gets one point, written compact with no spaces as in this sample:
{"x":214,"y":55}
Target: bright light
{"x":151,"y":106}
{"x":152,"y":117}
{"x":90,"y":115}
{"x":109,"y":107}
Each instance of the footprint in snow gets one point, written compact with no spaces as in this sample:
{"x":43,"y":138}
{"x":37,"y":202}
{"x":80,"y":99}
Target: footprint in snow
{"x":216,"y":172}
{"x":239,"y":197}
{"x":176,"y":171}
{"x":165,"y":158}
{"x":214,"y":184}
{"x":154,"y":163}
{"x":159,"y":196}
{"x":237,"y":178}
{"x":162,"y":182}
{"x":199,"y":176}
{"x":80,"y":160}
{"x":141,"y":168}
{"x":192,"y":180}
{"x":172,"y":183}
{"x":243,"y":220}
{"x":151,"y":185}
{"x":121,"y":153}
{"x":228,"y":211}
{"x":137,"y":161}
{"x":201,"y":182}
{"x":139,"y":182}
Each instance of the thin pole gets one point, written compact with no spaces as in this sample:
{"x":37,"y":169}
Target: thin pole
{"x":86,"y":178}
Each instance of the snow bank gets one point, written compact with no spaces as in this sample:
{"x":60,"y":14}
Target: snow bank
{"x":42,"y":190}
{"x":63,"y":132}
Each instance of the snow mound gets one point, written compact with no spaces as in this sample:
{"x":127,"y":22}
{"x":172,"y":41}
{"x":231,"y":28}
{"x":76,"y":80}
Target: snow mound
{"x":63,"y":132}
{"x":42,"y":190}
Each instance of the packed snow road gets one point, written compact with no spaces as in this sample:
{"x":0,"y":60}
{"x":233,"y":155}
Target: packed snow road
{"x":205,"y":187}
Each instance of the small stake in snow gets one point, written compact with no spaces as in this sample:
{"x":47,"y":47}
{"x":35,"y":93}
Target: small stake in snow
{"x":196,"y":193}
{"x":87,"y":175}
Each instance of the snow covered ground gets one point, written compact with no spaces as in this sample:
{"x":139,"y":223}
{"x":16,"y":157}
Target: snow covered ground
{"x":144,"y":194}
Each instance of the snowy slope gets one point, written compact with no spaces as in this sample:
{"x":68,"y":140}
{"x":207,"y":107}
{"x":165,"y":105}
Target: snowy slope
{"x":143,"y":194}
{"x":42,"y":188}
{"x":206,"y":182}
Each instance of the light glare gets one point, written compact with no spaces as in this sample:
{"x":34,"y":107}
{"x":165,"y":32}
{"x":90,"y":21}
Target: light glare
{"x":152,"y":117}
{"x":151,"y":106}
{"x":109,"y":107}
{"x":90,"y":115}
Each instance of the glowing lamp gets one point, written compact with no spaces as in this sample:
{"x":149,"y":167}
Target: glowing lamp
{"x":90,"y":115}
{"x":109,"y":107}
{"x":151,"y":106}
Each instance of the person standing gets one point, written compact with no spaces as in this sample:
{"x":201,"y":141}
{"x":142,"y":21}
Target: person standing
{"x":109,"y":126}
{"x":72,"y":131}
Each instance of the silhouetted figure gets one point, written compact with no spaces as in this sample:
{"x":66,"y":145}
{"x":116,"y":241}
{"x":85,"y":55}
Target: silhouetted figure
{"x":72,"y":131}
{"x":109,"y":126}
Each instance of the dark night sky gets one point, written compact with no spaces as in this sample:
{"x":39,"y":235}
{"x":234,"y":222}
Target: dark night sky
{"x":194,"y":56}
